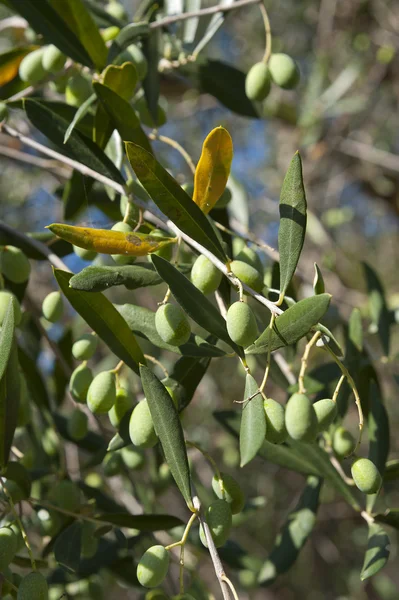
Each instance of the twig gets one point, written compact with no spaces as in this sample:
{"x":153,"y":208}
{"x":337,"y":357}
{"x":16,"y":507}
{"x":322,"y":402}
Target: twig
{"x":176,"y":146}
{"x":338,"y":387}
{"x":266,"y":375}
{"x":36,"y":161}
{"x":268,"y":33}
{"x":304,"y":362}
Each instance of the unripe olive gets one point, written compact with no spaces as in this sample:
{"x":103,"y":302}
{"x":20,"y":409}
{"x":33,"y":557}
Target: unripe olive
{"x":343,"y":442}
{"x":300,"y":418}
{"x":89,"y":540}
{"x":8,"y":546}
{"x":167,"y":251}
{"x":205,"y":276}
{"x":366,"y":476}
{"x":224,"y":199}
{"x":109,"y":33}
{"x":14,"y":264}
{"x":33,"y":587}
{"x":218,"y":517}
{"x":145,"y":116}
{"x":112,"y":464}
{"x":52,"y":307}
{"x":77,"y":425}
{"x":232,"y":493}
{"x":141,"y":426}
{"x":101,"y":395}
{"x":66,"y":495}
{"x":3,"y":111}
{"x":173,"y":389}
{"x":5,"y":298}
{"x":115,"y":9}
{"x":283,"y":71}
{"x":85,"y":346}
{"x":84,"y":253}
{"x":276,"y":432}
{"x":250,"y":257}
{"x":31,"y":69}
{"x":50,"y":442}
{"x":132,"y":457}
{"x":53,"y":59}
{"x":153,"y":566}
{"x":24,"y":410}
{"x":123,"y":402}
{"x":247,"y":274}
{"x":122,"y":259}
{"x":172,"y":324}
{"x":241,"y":324}
{"x":156,"y":595}
{"x":135,"y":55}
{"x":79,"y":383}
{"x":258,"y":82}
{"x":15,"y":491}
{"x":326,"y":411}
{"x":78,"y":90}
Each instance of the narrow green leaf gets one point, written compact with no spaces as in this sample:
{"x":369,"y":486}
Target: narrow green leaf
{"x":78,"y":147}
{"x":98,"y":278}
{"x":188,"y":372}
{"x":151,"y":82}
{"x":377,"y":552}
{"x":294,"y":534}
{"x":391,"y":470}
{"x":172,"y":200}
{"x":15,"y":471}
{"x":193,"y":302}
{"x":142,"y":321}
{"x":378,"y":434}
{"x":75,"y":195}
{"x":122,"y":115}
{"x":293,"y":324}
{"x":253,"y":422}
{"x":68,"y":546}
{"x":169,"y":430}
{"x":127,"y":36}
{"x":379,"y":313}
{"x":291,"y":233}
{"x":45,"y":20}
{"x":37,"y":387}
{"x":104,"y":319}
{"x":154,"y":522}
{"x":318,"y":281}
{"x":80,"y":113}
{"x":355,"y":329}
{"x":9,"y":402}
{"x":6,"y":336}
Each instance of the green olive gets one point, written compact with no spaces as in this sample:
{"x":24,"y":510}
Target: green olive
{"x":205,"y":276}
{"x":5,"y":297}
{"x":227,"y":488}
{"x":247,"y":274}
{"x":79,"y":383}
{"x":78,"y":90}
{"x":77,"y":425}
{"x":101,"y":394}
{"x":66,"y":495}
{"x":276,"y":432}
{"x":172,"y":325}
{"x":53,"y":59}
{"x":343,"y":442}
{"x":14,"y":264}
{"x":52,"y":307}
{"x":122,"y":259}
{"x":123,"y":403}
{"x":33,"y":587}
{"x":326,"y":411}
{"x":283,"y":71}
{"x":218,"y":517}
{"x":84,"y":253}
{"x":132,"y":457}
{"x":31,"y":69}
{"x":366,"y":476}
{"x":300,"y":418}
{"x":250,"y":257}
{"x":85,"y":347}
{"x":141,"y":426}
{"x":258,"y":82}
{"x":241,"y":324}
{"x":153,"y":566}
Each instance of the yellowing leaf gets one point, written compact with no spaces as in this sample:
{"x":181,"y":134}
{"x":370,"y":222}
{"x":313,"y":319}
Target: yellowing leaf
{"x":213,"y":169}
{"x":121,"y":79}
{"x":110,"y":242}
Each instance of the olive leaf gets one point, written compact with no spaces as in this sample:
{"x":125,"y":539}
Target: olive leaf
{"x":96,"y":278}
{"x":9,"y":402}
{"x":253,"y":422}
{"x":6,"y":336}
{"x":318,"y":281}
{"x":68,"y":547}
{"x":377,"y":552}
{"x":291,"y":233}
{"x":155,"y":522}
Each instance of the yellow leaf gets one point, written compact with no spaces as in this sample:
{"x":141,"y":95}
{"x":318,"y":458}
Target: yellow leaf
{"x":110,"y":242}
{"x":213,"y":169}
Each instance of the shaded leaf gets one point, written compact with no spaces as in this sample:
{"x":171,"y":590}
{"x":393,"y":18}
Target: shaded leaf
{"x":355,"y":329}
{"x":292,"y":228}
{"x":9,"y":402}
{"x":141,"y":320}
{"x":154,"y":522}
{"x":390,"y":517}
{"x":6,"y":336}
{"x":188,"y":372}
{"x":169,"y":430}
{"x":37,"y":387}
{"x":68,"y":546}
{"x":151,"y":82}
{"x":379,"y":313}
{"x":253,"y":422}
{"x":80,"y":113}
{"x":15,"y":471}
{"x":104,"y":319}
{"x":213,"y":168}
{"x":59,"y":247}
{"x":391,"y":470}
{"x":294,"y":534}
{"x":293,"y":324}
{"x":127,"y":36}
{"x":74,"y":194}
{"x":98,"y":278}
{"x":377,"y":552}
{"x":42,"y":17}
{"x":172,"y":200}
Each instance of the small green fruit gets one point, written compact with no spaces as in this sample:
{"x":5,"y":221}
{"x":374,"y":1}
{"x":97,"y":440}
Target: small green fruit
{"x":115,"y":9}
{"x":109,"y":33}
{"x":135,"y":55}
{"x":276,"y":432}
{"x":153,"y":566}
{"x":52,"y":307}
{"x":122,"y":259}
{"x":3,"y":111}
{"x":31,"y":69}
{"x":77,"y":425}
{"x":283,"y":71}
{"x":78,"y":90}
{"x":156,"y":595}
{"x":101,"y":395}
{"x":53,"y":59}
{"x":123,"y":403}
{"x":250,"y":257}
{"x":366,"y":476}
{"x":33,"y":587}
{"x":218,"y":517}
{"x":5,"y":298}
{"x":14,"y":265}
{"x":205,"y":276}
{"x":258,"y":82}
{"x":112,"y":464}
{"x":232,"y":493}
{"x":85,"y":347}
{"x":326,"y":411}
{"x":8,"y":546}
{"x":172,"y":324}
{"x":141,"y":426}
{"x":132,"y":457}
{"x":66,"y":495}
{"x":241,"y":324}
{"x":343,"y":442}
{"x":79,"y":383}
{"x":247,"y":274}
{"x":84,"y":254}
{"x":224,"y":199}
{"x":300,"y":418}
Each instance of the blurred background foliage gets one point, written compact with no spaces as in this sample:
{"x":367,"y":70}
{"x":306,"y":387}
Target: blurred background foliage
{"x":344,"y":117}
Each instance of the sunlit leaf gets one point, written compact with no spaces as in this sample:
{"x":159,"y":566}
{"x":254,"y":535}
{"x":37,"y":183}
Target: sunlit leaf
{"x":253,"y":422}
{"x":377,"y":552}
{"x":213,"y":168}
{"x":99,"y":278}
{"x":109,"y":241}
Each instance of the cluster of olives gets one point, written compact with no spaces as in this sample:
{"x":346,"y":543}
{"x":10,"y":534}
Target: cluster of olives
{"x":280,"y":69}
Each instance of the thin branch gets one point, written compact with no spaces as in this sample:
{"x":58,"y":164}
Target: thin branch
{"x":176,"y":146}
{"x":36,"y":161}
{"x":212,"y":10}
